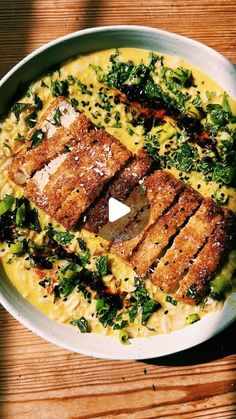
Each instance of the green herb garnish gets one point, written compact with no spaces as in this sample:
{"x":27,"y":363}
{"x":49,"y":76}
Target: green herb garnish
{"x":81,"y":323}
{"x":36,"y":138}
{"x":102,"y":265}
{"x":17,"y":108}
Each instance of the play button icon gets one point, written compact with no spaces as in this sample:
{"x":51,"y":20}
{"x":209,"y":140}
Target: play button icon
{"x":125,"y":218}
{"x":117,"y":210}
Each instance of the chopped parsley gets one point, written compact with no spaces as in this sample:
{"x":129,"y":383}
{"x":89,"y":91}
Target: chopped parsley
{"x":57,"y":117}
{"x":102,"y":266}
{"x":63,"y":237}
{"x":36,"y":138}
{"x":143,"y":303}
{"x":171,"y":300}
{"x":60,"y":87}
{"x":17,"y":108}
{"x":81,"y":323}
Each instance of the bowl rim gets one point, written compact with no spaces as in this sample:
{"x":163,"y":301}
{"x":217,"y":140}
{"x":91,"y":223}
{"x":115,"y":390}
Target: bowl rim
{"x":4,"y":300}
{"x":110,"y":28}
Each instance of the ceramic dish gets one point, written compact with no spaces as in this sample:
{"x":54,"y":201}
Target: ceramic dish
{"x":207,"y":60}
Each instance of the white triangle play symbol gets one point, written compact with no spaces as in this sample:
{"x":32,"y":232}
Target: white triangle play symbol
{"x":116,"y":209}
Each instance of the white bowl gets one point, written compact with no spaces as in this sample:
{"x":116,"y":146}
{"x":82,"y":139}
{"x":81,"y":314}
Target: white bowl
{"x":206,"y":59}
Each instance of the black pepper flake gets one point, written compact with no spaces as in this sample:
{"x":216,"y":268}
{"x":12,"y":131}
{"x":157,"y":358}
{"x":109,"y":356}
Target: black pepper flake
{"x":198,"y":186}
{"x":154,"y":387}
{"x":145,"y":371}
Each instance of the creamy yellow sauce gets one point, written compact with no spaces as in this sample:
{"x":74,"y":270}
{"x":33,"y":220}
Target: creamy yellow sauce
{"x":26,"y":278}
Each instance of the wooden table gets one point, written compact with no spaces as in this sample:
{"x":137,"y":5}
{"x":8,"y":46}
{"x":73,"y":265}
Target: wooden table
{"x":39,"y":380}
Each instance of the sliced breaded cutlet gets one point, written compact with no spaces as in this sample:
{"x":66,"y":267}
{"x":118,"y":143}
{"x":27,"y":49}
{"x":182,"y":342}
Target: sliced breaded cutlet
{"x":107,"y":155}
{"x":79,"y":177}
{"x":157,"y":237}
{"x":119,"y":188}
{"x":195,"y":284}
{"x":59,"y":129}
{"x":161,"y":189}
{"x":174,"y":264}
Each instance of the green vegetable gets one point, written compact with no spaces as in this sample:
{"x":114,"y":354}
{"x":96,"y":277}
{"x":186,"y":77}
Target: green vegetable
{"x":82,"y":244}
{"x":124,"y":337}
{"x":153,"y":59}
{"x":192,"y":292}
{"x":17,"y":108}
{"x":133,"y":312}
{"x":143,"y":190}
{"x":31,"y":119}
{"x":223,"y":174}
{"x":6,"y":204}
{"x":218,"y":287}
{"x":181,"y":76}
{"x":72,"y":270}
{"x":225,"y":104}
{"x":33,"y":219}
{"x":197,"y":101}
{"x":171,"y":300}
{"x":20,"y":215}
{"x":192,"y":318}
{"x":220,"y":197}
{"x":152,"y":90}
{"x":218,"y":115}
{"x":16,"y":248}
{"x":130,"y":131}
{"x":38,"y":103}
{"x":107,"y":309}
{"x":120,"y":326}
{"x":84,"y":255}
{"x":210,"y":95}
{"x":81,"y":323}
{"x":67,"y":286}
{"x":60,"y":88}
{"x":102,"y":265}
{"x":36,"y":138}
{"x":147,"y":305}
{"x":57,"y":117}
{"x":232,"y":258}
{"x":74,"y":102}
{"x":63,"y":237}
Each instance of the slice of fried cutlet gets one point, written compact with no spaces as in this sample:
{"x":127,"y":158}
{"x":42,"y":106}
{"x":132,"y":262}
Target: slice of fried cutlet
{"x":195,"y":284}
{"x":161,"y":189}
{"x":56,"y":135}
{"x":105,"y":157}
{"x":178,"y":258}
{"x":159,"y":234}
{"x":119,"y":188}
{"x":50,"y":186}
{"x":80,"y":177}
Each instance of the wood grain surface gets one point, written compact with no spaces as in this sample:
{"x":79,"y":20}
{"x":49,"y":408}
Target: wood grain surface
{"x":39,"y":380}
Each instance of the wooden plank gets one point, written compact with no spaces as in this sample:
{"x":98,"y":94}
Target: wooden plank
{"x":27,"y":24}
{"x":38,"y":379}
